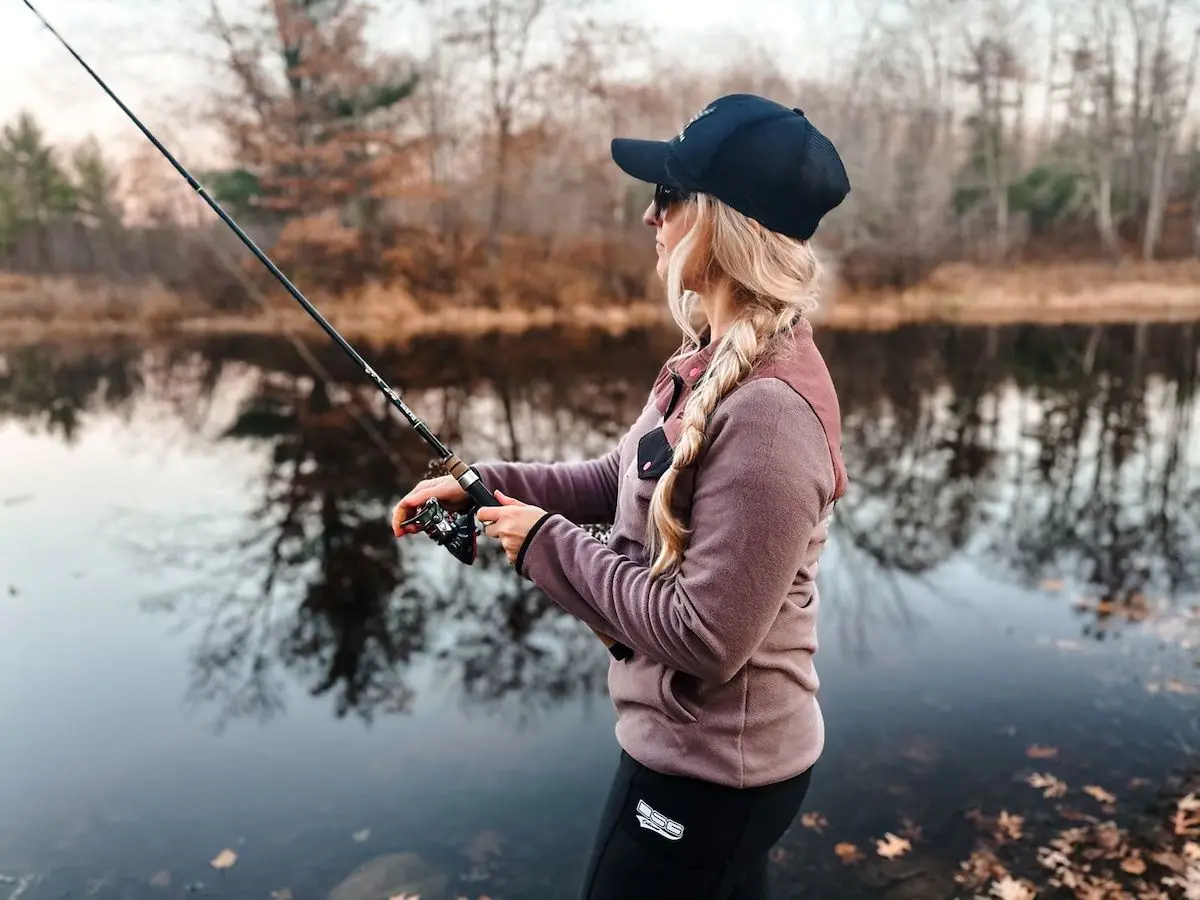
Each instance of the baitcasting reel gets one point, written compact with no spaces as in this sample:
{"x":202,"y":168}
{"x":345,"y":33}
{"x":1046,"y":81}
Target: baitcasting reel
{"x":454,"y":531}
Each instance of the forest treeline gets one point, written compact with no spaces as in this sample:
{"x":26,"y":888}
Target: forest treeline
{"x":477,"y":171}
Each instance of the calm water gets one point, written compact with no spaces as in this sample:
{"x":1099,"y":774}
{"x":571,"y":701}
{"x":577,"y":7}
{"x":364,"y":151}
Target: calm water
{"x":209,"y":639}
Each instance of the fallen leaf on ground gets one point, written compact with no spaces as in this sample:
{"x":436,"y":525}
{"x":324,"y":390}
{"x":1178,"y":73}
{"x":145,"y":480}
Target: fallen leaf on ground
{"x":1187,"y":816}
{"x":1099,"y":793}
{"x":976,"y":817}
{"x":847,"y":853}
{"x":1134,"y":865}
{"x":910,"y":829}
{"x":814,"y":820}
{"x":1009,"y":825}
{"x":1171,"y":861}
{"x":225,"y":859}
{"x":1034,"y":751}
{"x":1109,"y":837}
{"x":780,"y":855}
{"x":1175,"y":686}
{"x":1071,"y":814}
{"x":1053,"y":858}
{"x":1135,"y":783}
{"x":1191,"y":851}
{"x":892,"y":846}
{"x":980,"y":868}
{"x":1048,"y":784}
{"x":1008,"y":888}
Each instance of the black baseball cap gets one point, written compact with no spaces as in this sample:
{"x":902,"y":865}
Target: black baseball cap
{"x":767,"y":161}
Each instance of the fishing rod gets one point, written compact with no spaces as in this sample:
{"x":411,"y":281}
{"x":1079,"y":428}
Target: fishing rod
{"x":455,"y":532}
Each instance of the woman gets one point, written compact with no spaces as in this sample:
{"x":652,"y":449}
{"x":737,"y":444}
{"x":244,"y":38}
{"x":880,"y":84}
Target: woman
{"x":719,"y":495}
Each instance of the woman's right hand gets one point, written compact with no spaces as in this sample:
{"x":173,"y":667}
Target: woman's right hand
{"x":445,"y":489}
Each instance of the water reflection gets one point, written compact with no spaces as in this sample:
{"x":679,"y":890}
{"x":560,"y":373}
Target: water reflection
{"x":1040,"y":454}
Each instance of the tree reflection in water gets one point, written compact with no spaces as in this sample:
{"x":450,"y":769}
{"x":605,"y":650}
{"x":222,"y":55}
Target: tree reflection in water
{"x":1037,"y":452}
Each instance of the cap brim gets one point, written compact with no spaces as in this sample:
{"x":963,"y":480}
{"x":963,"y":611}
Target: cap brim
{"x":644,"y":160}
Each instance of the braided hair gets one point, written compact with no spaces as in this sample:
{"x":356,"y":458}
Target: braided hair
{"x":773,"y":280}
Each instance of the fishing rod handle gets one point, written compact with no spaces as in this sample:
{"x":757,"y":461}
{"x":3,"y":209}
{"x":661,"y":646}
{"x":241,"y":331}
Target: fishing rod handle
{"x":480,"y":496}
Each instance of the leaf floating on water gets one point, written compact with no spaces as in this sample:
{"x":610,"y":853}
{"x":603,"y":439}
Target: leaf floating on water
{"x":1051,"y":584}
{"x":161,"y":880}
{"x":1048,"y":784}
{"x":1064,"y":644}
{"x":1036,"y":751}
{"x":815,"y":821}
{"x":1099,"y":793}
{"x":1176,"y":686}
{"x":1009,"y":888}
{"x":483,"y":846}
{"x":910,"y":829}
{"x":892,"y":846}
{"x":362,"y":836}
{"x":225,"y":860}
{"x":282,"y":894}
{"x":848,"y":853}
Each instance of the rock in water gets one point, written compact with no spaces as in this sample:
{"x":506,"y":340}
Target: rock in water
{"x":388,"y":876}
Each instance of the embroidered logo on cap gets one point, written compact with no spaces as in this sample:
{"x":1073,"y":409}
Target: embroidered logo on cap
{"x":700,"y":115}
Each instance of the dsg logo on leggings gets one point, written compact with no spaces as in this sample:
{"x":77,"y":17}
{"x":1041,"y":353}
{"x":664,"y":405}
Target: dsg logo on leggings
{"x":655,"y":821}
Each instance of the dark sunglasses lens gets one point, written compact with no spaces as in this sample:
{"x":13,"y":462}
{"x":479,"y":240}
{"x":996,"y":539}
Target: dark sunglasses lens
{"x":660,"y":199}
{"x":665,"y":197}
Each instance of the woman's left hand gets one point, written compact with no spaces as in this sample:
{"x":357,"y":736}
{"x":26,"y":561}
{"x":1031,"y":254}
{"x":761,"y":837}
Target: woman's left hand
{"x":509,"y":523}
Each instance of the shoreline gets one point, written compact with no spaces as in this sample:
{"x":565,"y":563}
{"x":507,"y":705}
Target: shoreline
{"x":1059,"y":294}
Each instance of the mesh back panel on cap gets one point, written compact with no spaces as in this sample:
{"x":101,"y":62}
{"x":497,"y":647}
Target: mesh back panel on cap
{"x":821,"y":171}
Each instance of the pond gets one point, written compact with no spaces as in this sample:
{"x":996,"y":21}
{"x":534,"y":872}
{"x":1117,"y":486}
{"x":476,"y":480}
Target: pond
{"x":210,"y":641}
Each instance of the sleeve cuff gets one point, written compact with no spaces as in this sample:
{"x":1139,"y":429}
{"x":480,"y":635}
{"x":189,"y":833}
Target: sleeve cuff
{"x":525,"y":544}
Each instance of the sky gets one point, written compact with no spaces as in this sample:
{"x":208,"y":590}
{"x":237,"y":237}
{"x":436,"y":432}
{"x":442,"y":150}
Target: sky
{"x":150,"y":54}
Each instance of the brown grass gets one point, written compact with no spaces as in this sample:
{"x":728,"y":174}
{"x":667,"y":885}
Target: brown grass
{"x":1048,"y":293}
{"x":1061,"y":293}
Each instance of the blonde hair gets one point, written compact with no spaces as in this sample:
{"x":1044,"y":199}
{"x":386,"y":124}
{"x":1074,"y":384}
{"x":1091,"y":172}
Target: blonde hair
{"x":773,"y":280}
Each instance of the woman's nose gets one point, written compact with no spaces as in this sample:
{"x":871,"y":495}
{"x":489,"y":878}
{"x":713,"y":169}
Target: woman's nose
{"x":650,"y":216}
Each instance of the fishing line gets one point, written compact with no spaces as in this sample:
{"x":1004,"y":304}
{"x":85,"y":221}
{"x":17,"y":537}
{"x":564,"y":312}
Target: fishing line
{"x":351,"y":402}
{"x":456,"y":532}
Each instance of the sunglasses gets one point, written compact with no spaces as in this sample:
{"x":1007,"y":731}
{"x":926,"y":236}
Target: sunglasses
{"x":666,"y":197}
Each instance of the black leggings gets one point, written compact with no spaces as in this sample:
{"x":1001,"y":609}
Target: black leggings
{"x":664,"y":837}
